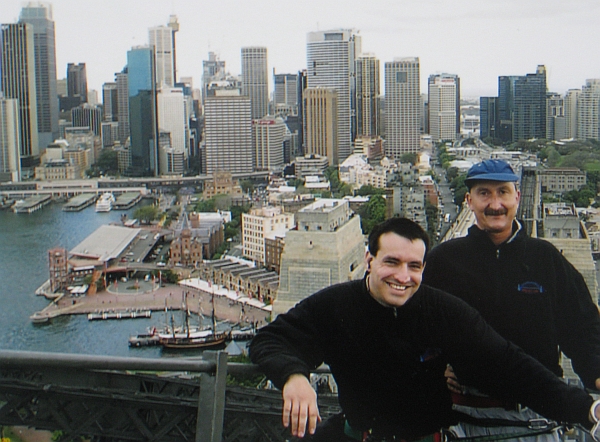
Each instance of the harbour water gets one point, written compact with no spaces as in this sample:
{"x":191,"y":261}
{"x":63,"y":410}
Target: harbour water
{"x":24,"y":243}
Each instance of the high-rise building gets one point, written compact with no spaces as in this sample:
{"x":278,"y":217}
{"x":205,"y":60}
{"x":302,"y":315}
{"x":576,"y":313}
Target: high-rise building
{"x":228,"y":133}
{"x":77,"y":82}
{"x":10,"y":142}
{"x":110,"y":101}
{"x":529,"y":116}
{"x":172,"y":119}
{"x":367,"y":96}
{"x":87,"y":115}
{"x":444,"y":106}
{"x":555,"y":117}
{"x":212,"y":69}
{"x":268,"y":134}
{"x":162,"y":39}
{"x":39,"y":15}
{"x":121,"y":79}
{"x":327,"y":247}
{"x":588,"y":110}
{"x":18,"y":82}
{"x":286,"y":94}
{"x":488,"y":107}
{"x":258,"y":225}
{"x":320,"y":123}
{"x":402,"y":107}
{"x":174,"y":25}
{"x":255,"y":80}
{"x":143,"y":124}
{"x":331,"y":57}
{"x":571,"y":106}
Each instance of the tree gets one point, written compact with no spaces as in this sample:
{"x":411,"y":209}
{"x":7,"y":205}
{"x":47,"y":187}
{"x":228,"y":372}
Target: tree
{"x":409,"y":158}
{"x":372,"y":213}
{"x":146,"y":214}
{"x":367,"y":189}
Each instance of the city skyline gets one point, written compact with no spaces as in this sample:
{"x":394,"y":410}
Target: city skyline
{"x":478,"y":41}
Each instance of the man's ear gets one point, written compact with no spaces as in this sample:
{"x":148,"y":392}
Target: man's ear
{"x":368,"y":259}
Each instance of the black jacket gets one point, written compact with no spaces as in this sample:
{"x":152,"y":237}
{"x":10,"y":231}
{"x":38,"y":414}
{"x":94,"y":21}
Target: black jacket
{"x":527,"y":291}
{"x":389,"y":363}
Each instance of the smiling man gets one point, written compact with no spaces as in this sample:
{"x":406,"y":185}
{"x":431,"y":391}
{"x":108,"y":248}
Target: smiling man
{"x":388,"y":340}
{"x":525,"y":289}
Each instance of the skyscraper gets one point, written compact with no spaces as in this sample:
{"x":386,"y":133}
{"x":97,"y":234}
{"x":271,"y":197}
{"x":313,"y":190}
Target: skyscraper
{"x":18,"y":82}
{"x":367,"y":96}
{"x":212,"y":69}
{"x":162,"y":39}
{"x":571,"y":105}
{"x":228,"y":133}
{"x":268,"y":134}
{"x":286,"y":93}
{"x":87,"y":115}
{"x":10,"y":147}
{"x":320,"y":123}
{"x":77,"y":82}
{"x":123,"y":104}
{"x":488,"y":107}
{"x":529,"y":116}
{"x":39,"y":15}
{"x":255,"y":80}
{"x":402,"y":107}
{"x":588,"y":110}
{"x":555,"y":117}
{"x":110,"y":101}
{"x":330,"y":57}
{"x":444,"y":106}
{"x":142,"y":111}
{"x":172,"y":119}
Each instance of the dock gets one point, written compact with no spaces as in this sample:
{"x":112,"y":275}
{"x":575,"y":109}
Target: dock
{"x":127,"y":200}
{"x":119,"y":314}
{"x":79,"y":202}
{"x":31,"y":204}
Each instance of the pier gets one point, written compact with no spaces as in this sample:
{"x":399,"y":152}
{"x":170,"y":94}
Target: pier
{"x":127,"y":200}
{"x":31,"y":204}
{"x":79,"y":202}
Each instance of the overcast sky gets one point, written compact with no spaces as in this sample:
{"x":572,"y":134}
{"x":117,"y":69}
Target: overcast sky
{"x":478,"y":40}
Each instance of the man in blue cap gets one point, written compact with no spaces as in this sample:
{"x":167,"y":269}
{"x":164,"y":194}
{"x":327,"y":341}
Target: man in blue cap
{"x":525,"y":289}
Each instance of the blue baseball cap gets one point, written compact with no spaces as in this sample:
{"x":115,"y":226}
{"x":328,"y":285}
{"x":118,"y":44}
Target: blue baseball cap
{"x":491,"y":170}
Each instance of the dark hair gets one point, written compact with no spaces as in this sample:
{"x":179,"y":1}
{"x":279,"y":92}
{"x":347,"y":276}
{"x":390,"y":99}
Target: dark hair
{"x":403,"y":227}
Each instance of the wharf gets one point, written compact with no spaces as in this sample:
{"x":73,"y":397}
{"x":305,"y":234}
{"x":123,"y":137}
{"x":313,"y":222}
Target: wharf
{"x":31,"y":204}
{"x":79,"y":202}
{"x":119,"y":314}
{"x":127,"y":200}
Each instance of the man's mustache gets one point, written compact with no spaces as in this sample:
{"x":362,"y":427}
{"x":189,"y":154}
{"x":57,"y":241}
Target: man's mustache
{"x":493,"y":212}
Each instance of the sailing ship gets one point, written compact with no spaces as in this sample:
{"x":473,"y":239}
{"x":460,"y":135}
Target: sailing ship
{"x":193,"y":337}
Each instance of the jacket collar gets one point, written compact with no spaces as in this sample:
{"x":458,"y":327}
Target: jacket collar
{"x":483,"y":238}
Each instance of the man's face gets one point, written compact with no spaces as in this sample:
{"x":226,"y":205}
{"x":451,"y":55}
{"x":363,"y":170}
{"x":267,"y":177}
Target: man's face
{"x":397,"y":269}
{"x":494,"y":204}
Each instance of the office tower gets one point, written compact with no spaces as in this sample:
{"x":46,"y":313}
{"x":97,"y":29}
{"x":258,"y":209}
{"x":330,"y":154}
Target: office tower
{"x":268,"y":135}
{"x":367,"y":96}
{"x":10,"y":142}
{"x":444,"y":106}
{"x":555,"y":117}
{"x":286,"y":94}
{"x":121,"y":80}
{"x":506,"y":97}
{"x":571,"y":105}
{"x":228,"y":133}
{"x":18,"y":82}
{"x":87,"y":115}
{"x":588,"y":110}
{"x":212,"y":69}
{"x":172,"y":119}
{"x":174,"y":25}
{"x":529,"y":116}
{"x":142,"y":111}
{"x":40,"y":16}
{"x":331,"y":57}
{"x":77,"y":82}
{"x":326,"y":248}
{"x":402,"y":107}
{"x":488,"y":107}
{"x":255,"y":80}
{"x":162,"y":39}
{"x":320,"y":123}
{"x":110,"y":101}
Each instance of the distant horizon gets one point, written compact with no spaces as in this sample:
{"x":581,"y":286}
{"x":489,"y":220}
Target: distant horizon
{"x":478,"y":41}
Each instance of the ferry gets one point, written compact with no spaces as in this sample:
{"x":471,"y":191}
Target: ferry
{"x":105,"y":202}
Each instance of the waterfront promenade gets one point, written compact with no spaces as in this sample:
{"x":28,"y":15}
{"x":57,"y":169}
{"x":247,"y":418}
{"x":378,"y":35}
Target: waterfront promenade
{"x":119,"y":298}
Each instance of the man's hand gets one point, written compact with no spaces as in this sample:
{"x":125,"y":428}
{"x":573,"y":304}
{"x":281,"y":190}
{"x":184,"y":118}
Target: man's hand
{"x":300,"y":406}
{"x":452,"y":381}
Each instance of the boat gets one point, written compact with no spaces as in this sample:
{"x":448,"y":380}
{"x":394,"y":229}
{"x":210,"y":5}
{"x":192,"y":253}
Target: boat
{"x":206,"y":338}
{"x":105,"y":202}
